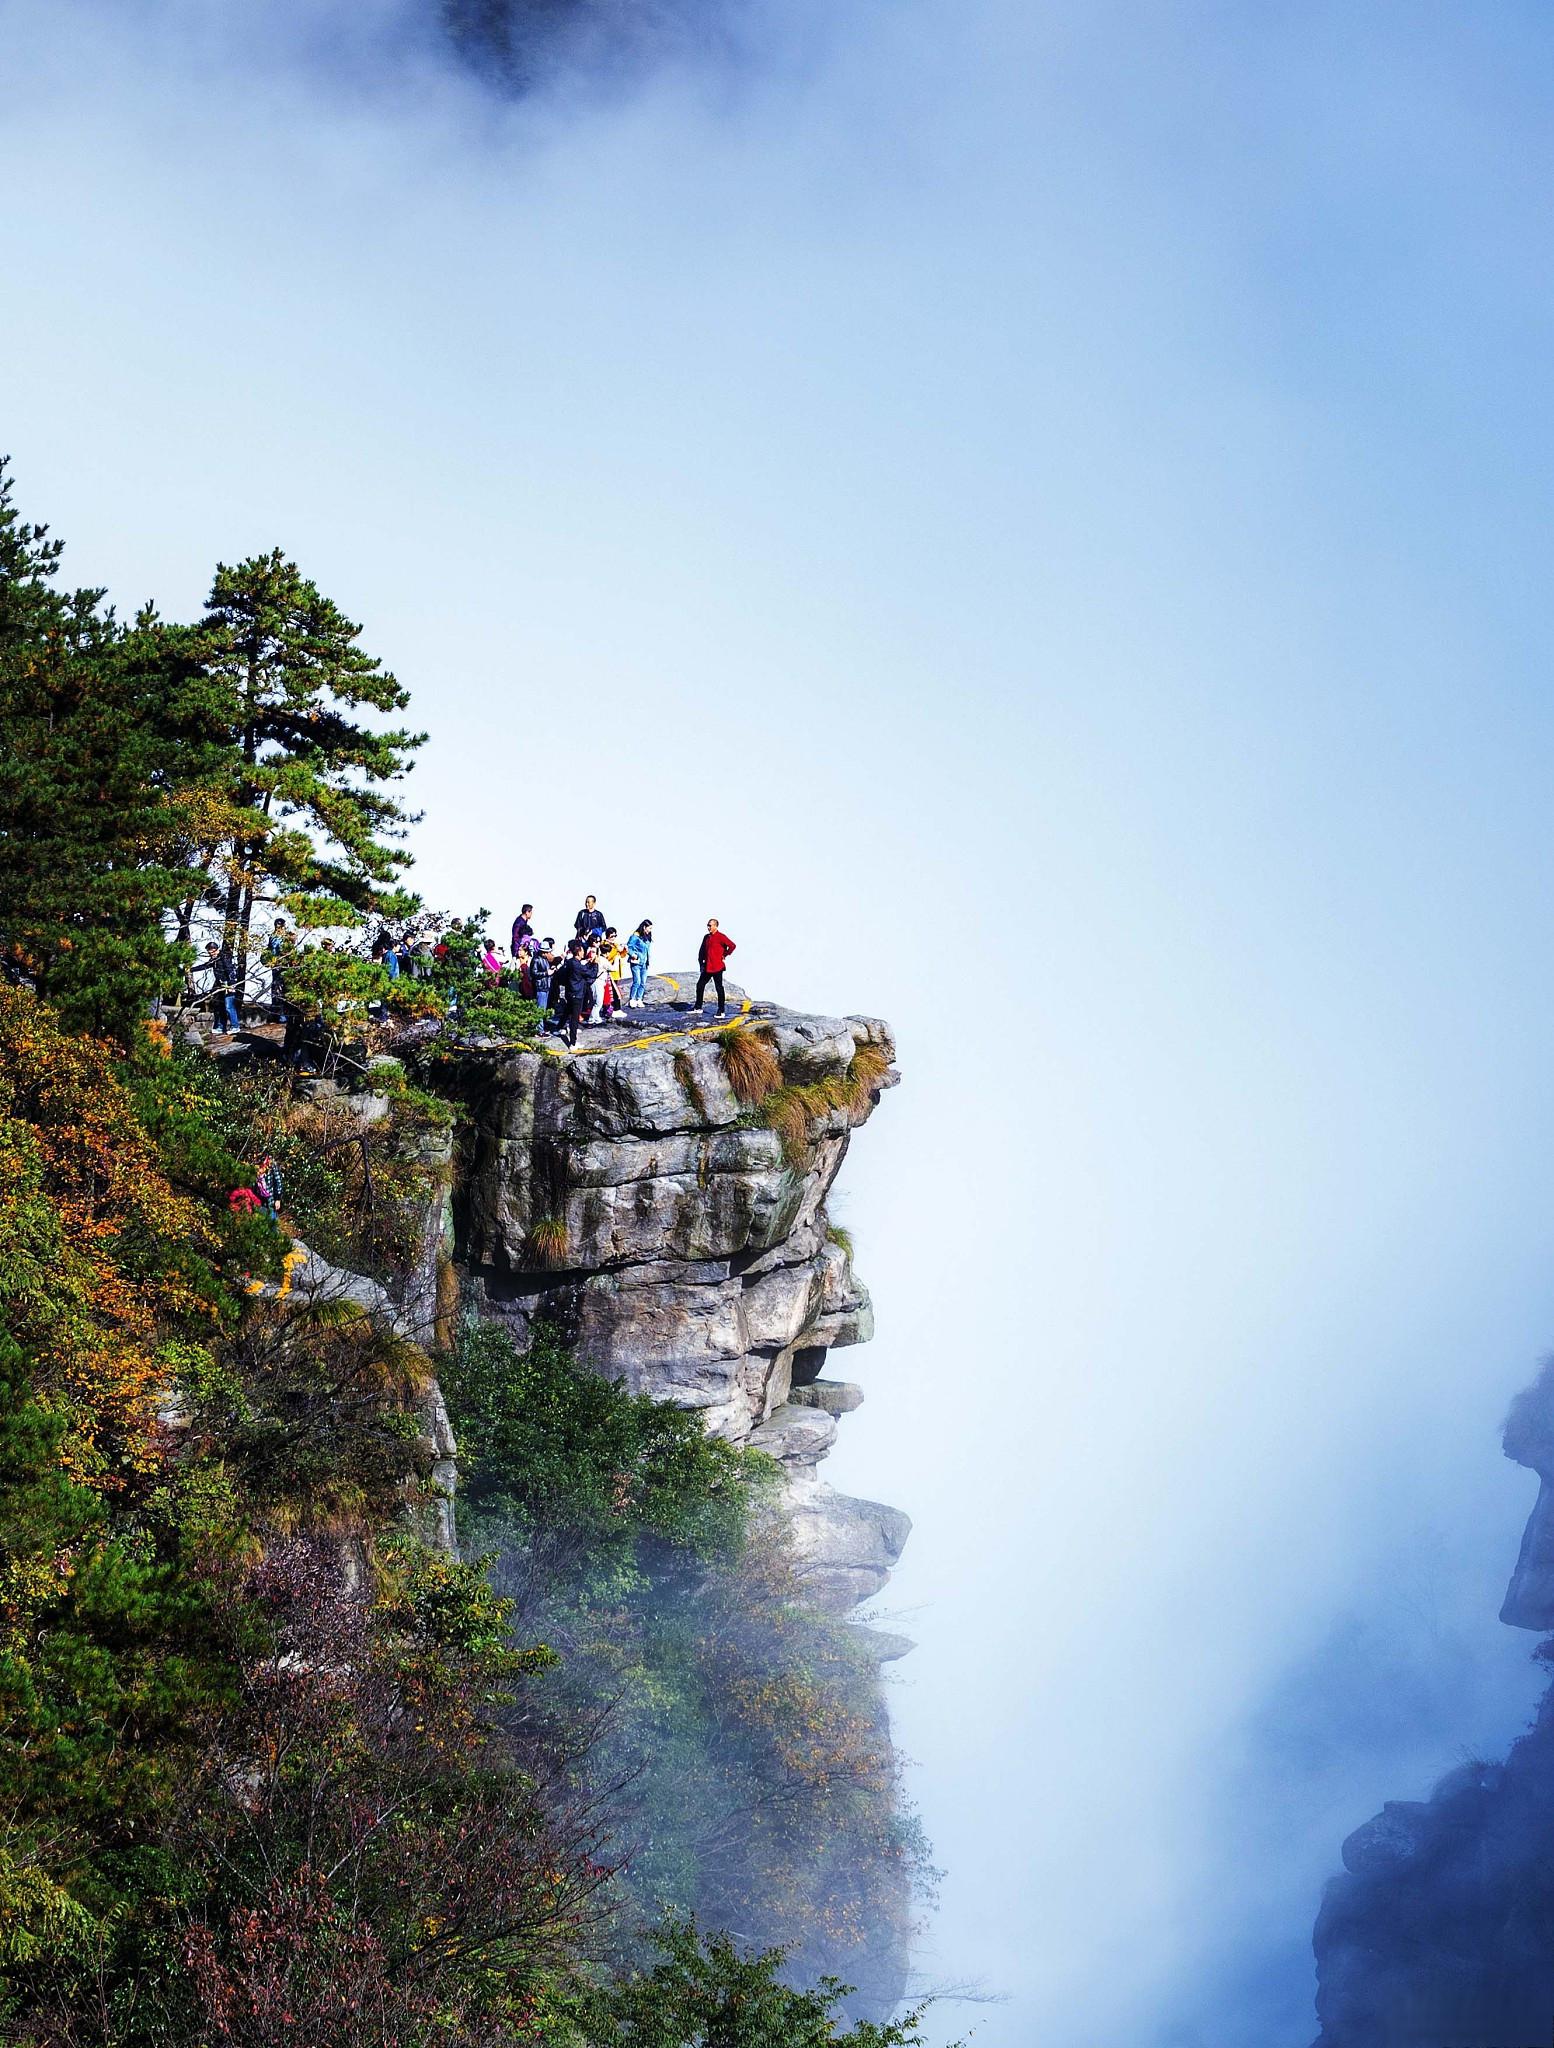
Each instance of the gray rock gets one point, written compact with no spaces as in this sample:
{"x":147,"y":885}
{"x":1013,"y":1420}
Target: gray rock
{"x":795,"y":1435}
{"x":438,"y":1452}
{"x":1396,"y":1833}
{"x":1529,"y":1439}
{"x":836,"y":1397}
{"x":317,"y":1281}
{"x":880,"y":1645}
{"x":697,"y":1265}
{"x":843,"y":1548}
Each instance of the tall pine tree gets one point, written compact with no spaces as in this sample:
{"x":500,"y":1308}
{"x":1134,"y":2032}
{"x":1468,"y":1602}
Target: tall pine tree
{"x":308,"y":777}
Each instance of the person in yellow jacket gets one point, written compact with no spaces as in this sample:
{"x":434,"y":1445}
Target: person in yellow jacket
{"x":612,"y":970}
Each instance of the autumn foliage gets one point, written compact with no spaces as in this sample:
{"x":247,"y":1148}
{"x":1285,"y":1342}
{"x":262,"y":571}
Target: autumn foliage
{"x":103,"y":1264}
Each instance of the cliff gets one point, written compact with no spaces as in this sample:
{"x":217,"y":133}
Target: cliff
{"x":1441,"y":1928}
{"x":644,"y":1199}
{"x":655,"y":1208}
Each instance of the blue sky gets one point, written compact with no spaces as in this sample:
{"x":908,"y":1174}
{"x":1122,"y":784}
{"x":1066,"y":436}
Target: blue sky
{"x":1036,"y":516}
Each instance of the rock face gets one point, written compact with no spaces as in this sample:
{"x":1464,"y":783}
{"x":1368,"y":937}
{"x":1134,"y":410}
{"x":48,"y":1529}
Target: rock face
{"x":1529,"y":1439}
{"x":432,"y":1481}
{"x":1441,"y":1930}
{"x":630,"y":1196}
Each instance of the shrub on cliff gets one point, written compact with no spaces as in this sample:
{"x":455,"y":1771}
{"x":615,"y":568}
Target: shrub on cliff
{"x":570,"y":1459}
{"x":708,"y":1990}
{"x":103,"y":1261}
{"x":742,"y":1751}
{"x":481,"y":1004}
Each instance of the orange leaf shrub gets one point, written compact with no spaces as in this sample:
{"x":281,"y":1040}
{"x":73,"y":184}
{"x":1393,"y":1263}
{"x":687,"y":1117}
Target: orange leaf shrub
{"x":95,"y":1244}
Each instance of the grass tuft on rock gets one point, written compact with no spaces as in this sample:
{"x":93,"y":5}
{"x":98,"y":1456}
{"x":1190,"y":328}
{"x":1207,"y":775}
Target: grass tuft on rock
{"x":548,"y":1243}
{"x":753,"y":1069}
{"x":793,"y":1111}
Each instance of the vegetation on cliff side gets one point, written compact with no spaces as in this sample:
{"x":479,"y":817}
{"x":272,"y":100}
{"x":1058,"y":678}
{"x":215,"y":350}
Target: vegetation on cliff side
{"x":741,"y":1741}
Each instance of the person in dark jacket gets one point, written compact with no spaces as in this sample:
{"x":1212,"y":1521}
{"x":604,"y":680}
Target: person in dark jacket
{"x":522,"y":929}
{"x":589,"y":922}
{"x":541,"y":967}
{"x":712,"y":959}
{"x":573,"y":988}
{"x":277,"y":953}
{"x":223,"y":988}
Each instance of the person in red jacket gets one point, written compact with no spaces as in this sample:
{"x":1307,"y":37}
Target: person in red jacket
{"x":715,"y":949}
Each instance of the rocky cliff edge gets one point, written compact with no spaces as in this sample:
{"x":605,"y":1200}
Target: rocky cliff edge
{"x":663,"y":1203}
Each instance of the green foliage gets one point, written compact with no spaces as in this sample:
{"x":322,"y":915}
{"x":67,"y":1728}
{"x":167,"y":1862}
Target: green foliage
{"x":450,"y":1603}
{"x":109,"y":749}
{"x":216,"y":1747}
{"x":483,"y":1005}
{"x":340,"y":985}
{"x":110,"y":1665}
{"x":547,"y":1448}
{"x":306,"y":776}
{"x":764,"y":1791}
{"x":705,"y":1992}
{"x":496,"y":1010}
{"x":148,"y":770}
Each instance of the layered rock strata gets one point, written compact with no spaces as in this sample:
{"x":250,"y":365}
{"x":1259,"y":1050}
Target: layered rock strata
{"x":630,"y":1196}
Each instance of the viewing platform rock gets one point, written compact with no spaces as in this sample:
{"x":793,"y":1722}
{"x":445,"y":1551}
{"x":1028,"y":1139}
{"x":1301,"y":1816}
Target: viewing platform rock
{"x":670,"y":1010}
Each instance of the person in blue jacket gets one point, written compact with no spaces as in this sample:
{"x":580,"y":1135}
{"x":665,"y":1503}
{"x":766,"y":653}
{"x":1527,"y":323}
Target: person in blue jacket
{"x":639,"y":951}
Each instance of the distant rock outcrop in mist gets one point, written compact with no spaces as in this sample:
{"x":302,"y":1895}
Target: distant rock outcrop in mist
{"x":1441,"y":1929}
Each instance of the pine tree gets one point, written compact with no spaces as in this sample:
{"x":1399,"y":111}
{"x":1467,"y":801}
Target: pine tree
{"x":112,"y":766}
{"x":307,"y":776}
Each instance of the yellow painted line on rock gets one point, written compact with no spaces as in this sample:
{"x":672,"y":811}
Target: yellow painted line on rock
{"x":578,"y":1052}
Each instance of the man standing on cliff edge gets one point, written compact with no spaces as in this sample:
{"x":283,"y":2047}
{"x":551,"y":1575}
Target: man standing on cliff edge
{"x":715,"y":949}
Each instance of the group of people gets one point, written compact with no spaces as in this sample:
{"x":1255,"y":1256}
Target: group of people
{"x":596,"y":969}
{"x":594,"y":972}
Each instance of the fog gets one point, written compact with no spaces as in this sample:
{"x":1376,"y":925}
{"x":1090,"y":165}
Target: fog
{"x":1036,"y":516}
